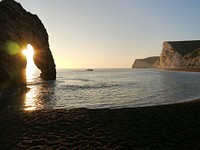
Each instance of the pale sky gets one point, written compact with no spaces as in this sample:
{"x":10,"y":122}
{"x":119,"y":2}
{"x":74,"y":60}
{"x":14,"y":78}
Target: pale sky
{"x":112,"y":33}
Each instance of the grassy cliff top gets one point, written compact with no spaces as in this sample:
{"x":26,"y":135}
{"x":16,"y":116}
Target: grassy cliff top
{"x":185,"y":47}
{"x":149,"y":60}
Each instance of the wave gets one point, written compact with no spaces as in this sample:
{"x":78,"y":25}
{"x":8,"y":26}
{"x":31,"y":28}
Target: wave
{"x":86,"y":87}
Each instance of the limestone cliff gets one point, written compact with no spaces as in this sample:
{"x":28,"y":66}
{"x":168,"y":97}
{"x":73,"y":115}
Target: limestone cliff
{"x":17,"y":29}
{"x":149,"y":62}
{"x":180,"y":54}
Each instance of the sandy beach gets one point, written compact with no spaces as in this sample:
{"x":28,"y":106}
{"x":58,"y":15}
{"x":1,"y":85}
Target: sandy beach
{"x":174,"y":126}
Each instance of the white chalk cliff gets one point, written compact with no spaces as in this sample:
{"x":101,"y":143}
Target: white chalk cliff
{"x":180,"y":54}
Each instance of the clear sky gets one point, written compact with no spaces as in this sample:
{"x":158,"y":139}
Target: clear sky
{"x":112,"y":33}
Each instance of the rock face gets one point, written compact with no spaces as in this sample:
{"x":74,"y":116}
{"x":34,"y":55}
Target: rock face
{"x":150,"y":62}
{"x":17,"y":29}
{"x":180,"y":54}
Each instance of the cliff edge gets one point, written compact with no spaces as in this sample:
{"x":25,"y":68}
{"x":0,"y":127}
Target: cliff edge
{"x":150,"y":62}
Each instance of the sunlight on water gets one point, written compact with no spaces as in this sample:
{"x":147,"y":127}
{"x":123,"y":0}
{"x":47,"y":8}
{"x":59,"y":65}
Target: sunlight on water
{"x":30,"y":103}
{"x":111,"y":88}
{"x":33,"y":99}
{"x":39,"y":96}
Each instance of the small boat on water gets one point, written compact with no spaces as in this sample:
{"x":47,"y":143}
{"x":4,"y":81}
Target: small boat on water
{"x":90,"y":70}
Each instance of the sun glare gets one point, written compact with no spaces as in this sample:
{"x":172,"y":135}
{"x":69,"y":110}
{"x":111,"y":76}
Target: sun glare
{"x":30,"y":66}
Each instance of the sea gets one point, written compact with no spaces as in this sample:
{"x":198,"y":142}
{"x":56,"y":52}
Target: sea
{"x":108,"y":88}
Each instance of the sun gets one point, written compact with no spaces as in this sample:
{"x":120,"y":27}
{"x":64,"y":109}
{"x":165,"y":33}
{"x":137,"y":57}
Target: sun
{"x":30,"y":66}
{"x":29,"y":52}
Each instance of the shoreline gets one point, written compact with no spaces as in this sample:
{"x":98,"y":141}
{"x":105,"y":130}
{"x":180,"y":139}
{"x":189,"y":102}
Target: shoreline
{"x":184,"y":69}
{"x":173,"y":126}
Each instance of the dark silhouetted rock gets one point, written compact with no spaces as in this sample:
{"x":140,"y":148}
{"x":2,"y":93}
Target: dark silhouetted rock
{"x":150,"y":62}
{"x":17,"y":29}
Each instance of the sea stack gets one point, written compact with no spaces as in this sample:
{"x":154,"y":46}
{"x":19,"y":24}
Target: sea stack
{"x":17,"y":29}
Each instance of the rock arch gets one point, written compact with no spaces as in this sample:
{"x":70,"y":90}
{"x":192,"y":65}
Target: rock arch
{"x":17,"y":29}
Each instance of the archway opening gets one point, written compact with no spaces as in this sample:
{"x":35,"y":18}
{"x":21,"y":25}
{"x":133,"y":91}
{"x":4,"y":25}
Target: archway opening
{"x":31,"y":69}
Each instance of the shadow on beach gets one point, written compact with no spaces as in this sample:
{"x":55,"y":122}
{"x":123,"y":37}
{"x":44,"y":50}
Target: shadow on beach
{"x":173,"y":126}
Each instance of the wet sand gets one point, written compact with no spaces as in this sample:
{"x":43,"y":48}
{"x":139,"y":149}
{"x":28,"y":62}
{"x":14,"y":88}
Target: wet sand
{"x":174,"y":126}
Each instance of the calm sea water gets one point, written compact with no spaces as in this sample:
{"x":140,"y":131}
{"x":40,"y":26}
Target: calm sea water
{"x":110,"y":88}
